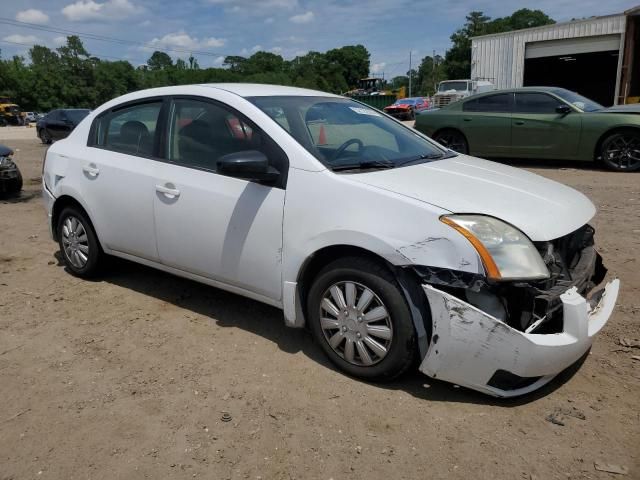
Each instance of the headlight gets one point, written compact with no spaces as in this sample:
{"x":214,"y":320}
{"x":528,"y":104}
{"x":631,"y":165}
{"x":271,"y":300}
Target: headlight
{"x":506,"y":252}
{"x":5,"y":161}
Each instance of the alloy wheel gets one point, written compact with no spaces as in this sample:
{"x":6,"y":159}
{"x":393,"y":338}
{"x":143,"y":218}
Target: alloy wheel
{"x":75,"y":242}
{"x":623,"y":152}
{"x":355,"y":323}
{"x":453,"y":141}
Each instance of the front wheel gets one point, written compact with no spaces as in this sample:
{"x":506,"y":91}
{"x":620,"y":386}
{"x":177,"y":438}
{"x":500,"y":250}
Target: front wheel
{"x":78,"y":243}
{"x":360,"y":318}
{"x":452,"y":139}
{"x":621,"y":151}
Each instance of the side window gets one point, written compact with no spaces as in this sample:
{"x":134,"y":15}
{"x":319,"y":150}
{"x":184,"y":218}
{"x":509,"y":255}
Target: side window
{"x":535,"y":103}
{"x":130,"y":129}
{"x":498,"y":103}
{"x":201,"y":132}
{"x":53,"y":116}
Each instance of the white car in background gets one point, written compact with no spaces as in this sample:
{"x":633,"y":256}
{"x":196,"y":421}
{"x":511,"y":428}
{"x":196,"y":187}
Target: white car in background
{"x":389,"y":247}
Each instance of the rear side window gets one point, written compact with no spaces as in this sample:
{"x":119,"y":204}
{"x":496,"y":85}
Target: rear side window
{"x":130,"y":129}
{"x":500,"y":102}
{"x":536,"y":103}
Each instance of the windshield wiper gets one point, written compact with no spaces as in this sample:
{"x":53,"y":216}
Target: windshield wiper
{"x":363,"y":165}
{"x":429,"y":156}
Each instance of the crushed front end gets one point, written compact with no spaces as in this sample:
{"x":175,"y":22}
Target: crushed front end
{"x":510,"y":338}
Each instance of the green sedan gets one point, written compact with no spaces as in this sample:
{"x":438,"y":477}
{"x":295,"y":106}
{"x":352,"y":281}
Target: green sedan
{"x":540,"y":123}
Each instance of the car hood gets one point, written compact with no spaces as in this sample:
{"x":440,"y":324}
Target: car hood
{"x":541,"y":208}
{"x":629,"y":108}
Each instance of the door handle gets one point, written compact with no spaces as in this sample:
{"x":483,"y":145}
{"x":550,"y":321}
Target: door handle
{"x":91,"y":170}
{"x":168,"y":190}
{"x":519,"y":122}
{"x":466,"y":119}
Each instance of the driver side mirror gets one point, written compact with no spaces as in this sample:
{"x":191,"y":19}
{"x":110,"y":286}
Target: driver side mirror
{"x":563,"y":109}
{"x":249,"y":165}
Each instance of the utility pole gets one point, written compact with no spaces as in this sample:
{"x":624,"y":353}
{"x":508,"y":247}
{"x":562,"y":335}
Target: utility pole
{"x":410,"y":73}
{"x":434,"y":64}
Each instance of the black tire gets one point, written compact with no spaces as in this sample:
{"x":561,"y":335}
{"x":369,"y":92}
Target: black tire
{"x":402,"y":348}
{"x":17,"y":183}
{"x":94,"y":256}
{"x":45,"y":137}
{"x":412,"y":115}
{"x":453,"y":139}
{"x":620,"y":151}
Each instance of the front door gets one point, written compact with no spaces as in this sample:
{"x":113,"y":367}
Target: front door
{"x":227,"y":229}
{"x":539,"y":131}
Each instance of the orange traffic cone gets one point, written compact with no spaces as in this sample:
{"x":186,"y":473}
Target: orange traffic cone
{"x":322,"y":138}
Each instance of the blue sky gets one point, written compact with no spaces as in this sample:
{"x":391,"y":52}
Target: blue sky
{"x":389,"y":29}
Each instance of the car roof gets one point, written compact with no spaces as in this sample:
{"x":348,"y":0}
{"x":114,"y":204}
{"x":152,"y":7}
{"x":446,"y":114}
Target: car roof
{"x":263,"y":90}
{"x":525,"y":89}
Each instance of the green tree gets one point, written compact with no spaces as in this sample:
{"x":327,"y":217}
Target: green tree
{"x":430,"y":73}
{"x":159,"y":61}
{"x":353,"y":62}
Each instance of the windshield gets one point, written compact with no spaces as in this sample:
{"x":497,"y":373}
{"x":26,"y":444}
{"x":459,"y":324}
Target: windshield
{"x":459,"y":86}
{"x":583,"y":103}
{"x":342,"y":133}
{"x":76,"y":116}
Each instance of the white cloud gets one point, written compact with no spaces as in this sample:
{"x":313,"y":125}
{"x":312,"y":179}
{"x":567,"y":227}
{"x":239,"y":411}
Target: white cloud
{"x":264,"y":4}
{"x":269,"y":20}
{"x":277,"y":50}
{"x":59,"y":41}
{"x":17,"y":38}
{"x":84,"y":10}
{"x":256,"y":48}
{"x":32,"y":15}
{"x":184,"y":41}
{"x":303,"y":17}
{"x":378,"y":67}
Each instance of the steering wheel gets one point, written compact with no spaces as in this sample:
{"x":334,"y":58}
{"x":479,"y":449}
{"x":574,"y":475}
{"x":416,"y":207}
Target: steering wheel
{"x":344,"y":146}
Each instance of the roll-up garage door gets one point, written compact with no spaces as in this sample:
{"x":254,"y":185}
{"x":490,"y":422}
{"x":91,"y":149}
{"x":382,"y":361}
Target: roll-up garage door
{"x":572,"y":46}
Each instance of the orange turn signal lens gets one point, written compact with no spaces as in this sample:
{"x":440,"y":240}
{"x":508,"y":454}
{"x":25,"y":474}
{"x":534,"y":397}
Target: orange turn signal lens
{"x":487,"y":260}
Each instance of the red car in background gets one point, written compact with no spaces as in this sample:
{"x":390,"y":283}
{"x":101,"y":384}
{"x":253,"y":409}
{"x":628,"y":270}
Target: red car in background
{"x":406,"y":108}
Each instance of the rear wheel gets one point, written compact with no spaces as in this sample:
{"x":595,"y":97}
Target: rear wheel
{"x":360,"y":318}
{"x":452,"y":139}
{"x":78,"y":242}
{"x":621,"y":151}
{"x":45,"y":137}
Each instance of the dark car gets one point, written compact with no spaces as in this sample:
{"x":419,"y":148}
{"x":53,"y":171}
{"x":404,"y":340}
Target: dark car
{"x":10,"y":176}
{"x":59,"y":123}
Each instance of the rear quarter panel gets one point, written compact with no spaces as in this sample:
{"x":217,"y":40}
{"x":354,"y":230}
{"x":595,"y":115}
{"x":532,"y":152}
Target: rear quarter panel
{"x":596,"y":126}
{"x":429,"y":122}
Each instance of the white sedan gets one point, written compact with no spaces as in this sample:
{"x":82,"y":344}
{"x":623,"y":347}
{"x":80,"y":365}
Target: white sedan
{"x":390,"y":248}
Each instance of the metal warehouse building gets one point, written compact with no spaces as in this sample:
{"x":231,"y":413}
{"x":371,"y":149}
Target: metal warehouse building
{"x":598,"y":57}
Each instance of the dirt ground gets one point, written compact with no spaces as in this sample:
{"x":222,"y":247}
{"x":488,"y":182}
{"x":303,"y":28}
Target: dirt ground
{"x":129,"y":376}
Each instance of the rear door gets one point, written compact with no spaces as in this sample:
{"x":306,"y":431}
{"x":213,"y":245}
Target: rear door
{"x":539,"y":131}
{"x":486,"y":123}
{"x":55,"y":125}
{"x":116,"y":175}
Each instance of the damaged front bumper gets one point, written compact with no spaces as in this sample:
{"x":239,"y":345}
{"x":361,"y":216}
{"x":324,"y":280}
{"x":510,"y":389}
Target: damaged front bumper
{"x":474,"y":349}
